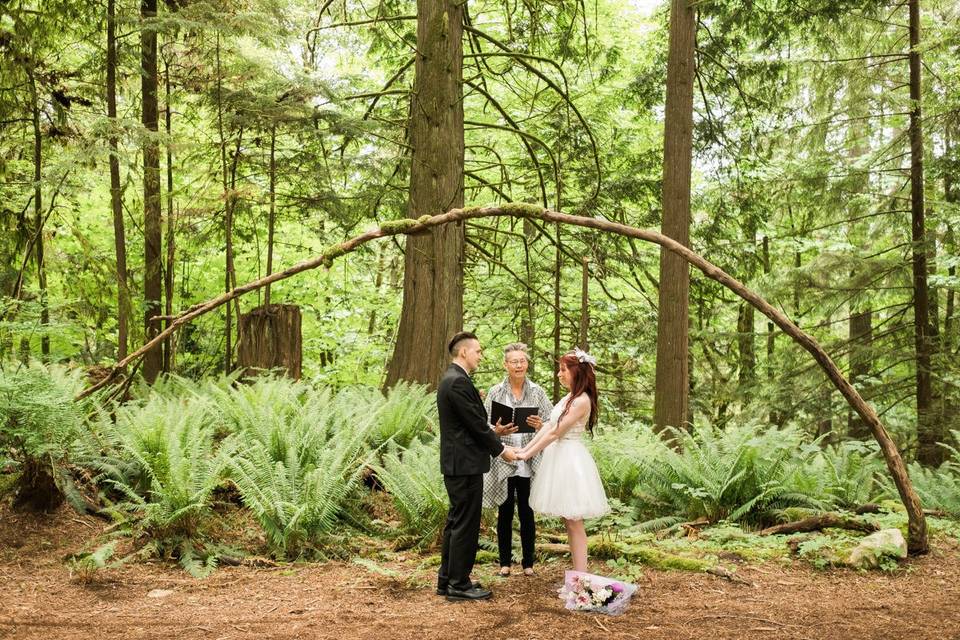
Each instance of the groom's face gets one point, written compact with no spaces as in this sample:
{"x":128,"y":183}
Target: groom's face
{"x":471,"y":353}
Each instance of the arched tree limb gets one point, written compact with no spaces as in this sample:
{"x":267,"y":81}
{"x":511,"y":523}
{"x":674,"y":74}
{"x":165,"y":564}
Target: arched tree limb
{"x":917,"y":528}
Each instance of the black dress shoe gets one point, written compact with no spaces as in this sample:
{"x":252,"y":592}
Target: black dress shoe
{"x":442,"y":591}
{"x":473,"y":593}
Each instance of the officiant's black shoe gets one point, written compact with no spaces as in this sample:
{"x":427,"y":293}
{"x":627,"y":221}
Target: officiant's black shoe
{"x":473,"y":593}
{"x":442,"y":591}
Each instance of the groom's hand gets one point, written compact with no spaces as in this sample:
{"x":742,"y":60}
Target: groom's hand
{"x":509,"y":454}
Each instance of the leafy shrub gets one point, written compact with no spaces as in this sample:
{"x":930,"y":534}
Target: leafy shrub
{"x":407,"y":411}
{"x":849,"y":473}
{"x":38,"y":422}
{"x":617,"y":452}
{"x":295,"y":478}
{"x":412,"y":478}
{"x":736,"y":474}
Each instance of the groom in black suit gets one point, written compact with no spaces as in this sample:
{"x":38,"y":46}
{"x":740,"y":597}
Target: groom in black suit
{"x":466,"y":444}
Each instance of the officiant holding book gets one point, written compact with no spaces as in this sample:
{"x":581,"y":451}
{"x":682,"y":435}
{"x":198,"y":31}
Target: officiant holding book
{"x":517,"y":408}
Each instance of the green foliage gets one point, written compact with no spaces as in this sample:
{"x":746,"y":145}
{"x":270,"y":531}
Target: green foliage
{"x":849,"y":473}
{"x":407,"y":411}
{"x":295,"y":477}
{"x":618,"y":452}
{"x":412,"y":478}
{"x":736,"y":474}
{"x":165,"y":464}
{"x":39,"y":421}
{"x":38,"y":417}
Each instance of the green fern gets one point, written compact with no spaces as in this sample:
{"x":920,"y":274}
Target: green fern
{"x":412,"y":478}
{"x":299,"y":497}
{"x":736,"y":474}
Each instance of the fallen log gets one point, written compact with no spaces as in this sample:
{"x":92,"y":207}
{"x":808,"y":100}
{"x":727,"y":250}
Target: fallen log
{"x":819,"y":523}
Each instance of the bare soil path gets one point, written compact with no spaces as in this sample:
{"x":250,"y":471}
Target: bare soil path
{"x":40,"y":600}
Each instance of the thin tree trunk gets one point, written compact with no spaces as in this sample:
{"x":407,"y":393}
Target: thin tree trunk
{"x":168,"y":347}
{"x":585,"y":306}
{"x":38,"y":216}
{"x":557,"y":269}
{"x":776,"y":417}
{"x":119,"y":234}
{"x":916,"y":528}
{"x":928,"y":431}
{"x":861,"y":364}
{"x":271,"y":220}
{"x":227,"y":220}
{"x":672,"y":374}
{"x":746,"y":346}
{"x":152,"y":226}
{"x":433,"y":263}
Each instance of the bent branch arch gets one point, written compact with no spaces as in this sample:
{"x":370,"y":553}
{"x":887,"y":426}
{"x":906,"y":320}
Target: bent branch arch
{"x":917,"y":527}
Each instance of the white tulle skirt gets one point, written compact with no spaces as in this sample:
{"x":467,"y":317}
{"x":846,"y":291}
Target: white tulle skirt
{"x":567,"y":484}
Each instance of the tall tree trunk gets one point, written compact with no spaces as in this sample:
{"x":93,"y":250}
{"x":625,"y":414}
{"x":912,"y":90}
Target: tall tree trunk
{"x":928,"y":428}
{"x":433,"y":263}
{"x":746,"y":346}
{"x":861,"y":365}
{"x":119,"y":234}
{"x":272,"y":215}
{"x":38,"y":215}
{"x":168,"y":347}
{"x":228,"y":175}
{"x":776,"y":417}
{"x":585,"y":306}
{"x":672,"y":375}
{"x":557,"y":276}
{"x":152,"y":226}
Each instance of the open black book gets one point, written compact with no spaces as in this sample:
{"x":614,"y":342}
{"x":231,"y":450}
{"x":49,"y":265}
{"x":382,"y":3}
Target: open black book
{"x":517,"y":415}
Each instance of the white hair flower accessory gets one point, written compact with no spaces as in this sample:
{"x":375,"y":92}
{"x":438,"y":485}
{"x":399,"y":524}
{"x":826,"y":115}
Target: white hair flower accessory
{"x":583,"y":356}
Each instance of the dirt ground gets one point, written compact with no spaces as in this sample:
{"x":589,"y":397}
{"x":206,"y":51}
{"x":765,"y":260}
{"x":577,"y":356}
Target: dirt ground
{"x":39,"y":599}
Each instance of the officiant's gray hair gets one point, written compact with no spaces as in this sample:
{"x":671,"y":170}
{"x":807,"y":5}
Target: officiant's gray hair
{"x":516,"y":346}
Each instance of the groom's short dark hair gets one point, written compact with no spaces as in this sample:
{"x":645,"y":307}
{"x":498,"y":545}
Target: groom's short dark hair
{"x":457,"y":339}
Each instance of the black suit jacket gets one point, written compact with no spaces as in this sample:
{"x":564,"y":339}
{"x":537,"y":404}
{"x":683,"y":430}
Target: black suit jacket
{"x":466,"y":439}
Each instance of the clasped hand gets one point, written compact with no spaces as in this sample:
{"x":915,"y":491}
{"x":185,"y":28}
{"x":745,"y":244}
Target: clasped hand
{"x":512,"y":454}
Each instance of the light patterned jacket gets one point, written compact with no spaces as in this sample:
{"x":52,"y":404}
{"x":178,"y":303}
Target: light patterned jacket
{"x":495,"y":481}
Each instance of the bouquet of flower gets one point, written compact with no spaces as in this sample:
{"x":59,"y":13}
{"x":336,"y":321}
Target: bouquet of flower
{"x":587,"y":592}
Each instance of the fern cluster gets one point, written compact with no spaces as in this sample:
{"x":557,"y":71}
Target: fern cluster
{"x":738,"y":474}
{"x":412,"y":478}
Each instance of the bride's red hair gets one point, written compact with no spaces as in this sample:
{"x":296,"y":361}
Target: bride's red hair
{"x":582,"y":380}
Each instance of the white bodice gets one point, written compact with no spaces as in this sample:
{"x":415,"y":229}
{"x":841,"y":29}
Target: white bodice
{"x":576,"y":431}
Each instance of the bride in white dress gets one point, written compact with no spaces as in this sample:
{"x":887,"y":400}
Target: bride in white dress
{"x":568,"y":484}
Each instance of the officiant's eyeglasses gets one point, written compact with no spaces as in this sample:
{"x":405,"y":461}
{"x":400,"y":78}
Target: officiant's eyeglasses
{"x":516,"y":363}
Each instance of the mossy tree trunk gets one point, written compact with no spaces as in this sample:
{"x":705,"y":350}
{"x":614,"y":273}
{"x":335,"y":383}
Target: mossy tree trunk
{"x":433,"y":263}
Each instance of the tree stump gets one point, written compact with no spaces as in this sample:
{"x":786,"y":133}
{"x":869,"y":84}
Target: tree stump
{"x":270,"y":339}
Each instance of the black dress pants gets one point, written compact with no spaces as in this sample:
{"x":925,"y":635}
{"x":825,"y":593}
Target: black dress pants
{"x":462,"y":531}
{"x":521,"y":488}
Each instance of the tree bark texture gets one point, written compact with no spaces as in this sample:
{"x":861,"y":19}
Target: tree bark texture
{"x":168,"y":347}
{"x":917,"y":526}
{"x":584,"y":341}
{"x":861,"y":365}
{"x":670,"y":405}
{"x":433,"y":263}
{"x":152,"y":227}
{"x":38,"y":218}
{"x":116,"y":203}
{"x":929,"y":432}
{"x":270,"y":338}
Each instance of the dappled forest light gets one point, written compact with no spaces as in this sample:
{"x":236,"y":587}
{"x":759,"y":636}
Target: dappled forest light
{"x":219,"y":169}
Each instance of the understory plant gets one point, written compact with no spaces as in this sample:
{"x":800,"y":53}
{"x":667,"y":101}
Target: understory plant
{"x":412,"y":478}
{"x":162,"y":464}
{"x":39,"y":420}
{"x":738,"y":473}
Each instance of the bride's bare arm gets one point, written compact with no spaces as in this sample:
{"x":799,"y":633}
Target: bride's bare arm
{"x":579,"y":409}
